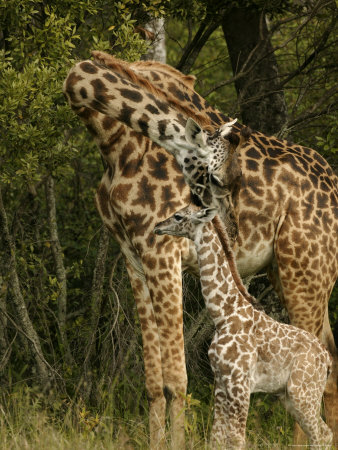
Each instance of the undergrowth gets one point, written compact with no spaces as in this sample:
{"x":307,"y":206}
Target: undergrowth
{"x":29,"y":420}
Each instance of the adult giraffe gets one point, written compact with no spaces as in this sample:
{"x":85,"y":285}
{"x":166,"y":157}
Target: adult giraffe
{"x":286,"y":205}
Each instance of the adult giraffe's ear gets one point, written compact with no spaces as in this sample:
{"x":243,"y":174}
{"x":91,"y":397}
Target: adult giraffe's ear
{"x":237,"y":140}
{"x":195,"y":135}
{"x":226,"y":128}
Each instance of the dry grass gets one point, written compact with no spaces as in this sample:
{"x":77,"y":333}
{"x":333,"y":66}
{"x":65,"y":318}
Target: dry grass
{"x":27,"y":422}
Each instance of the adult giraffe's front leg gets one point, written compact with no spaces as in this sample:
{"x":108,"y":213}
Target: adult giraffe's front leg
{"x":152,"y":358}
{"x":164,"y":280}
{"x":304,"y":280}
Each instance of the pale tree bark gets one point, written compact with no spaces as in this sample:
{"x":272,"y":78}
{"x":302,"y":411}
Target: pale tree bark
{"x":24,"y":324}
{"x":261,"y":100}
{"x":60,"y":270}
{"x":157,"y":50}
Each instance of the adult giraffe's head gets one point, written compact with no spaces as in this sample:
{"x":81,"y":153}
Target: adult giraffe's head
{"x":212,"y":167}
{"x":212,"y":148}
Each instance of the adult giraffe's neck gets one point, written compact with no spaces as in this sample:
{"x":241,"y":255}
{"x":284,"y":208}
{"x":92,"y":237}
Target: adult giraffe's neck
{"x":219,"y":288}
{"x":92,"y":86}
{"x":108,"y":133}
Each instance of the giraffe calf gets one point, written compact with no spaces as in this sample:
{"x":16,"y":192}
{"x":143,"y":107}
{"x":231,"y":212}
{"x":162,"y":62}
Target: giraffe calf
{"x":250,"y":352}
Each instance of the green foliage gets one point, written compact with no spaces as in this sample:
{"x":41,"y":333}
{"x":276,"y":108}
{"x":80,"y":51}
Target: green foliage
{"x":40,"y":136}
{"x":197,"y":10}
{"x":212,"y":64}
{"x":268,"y":422}
{"x":333,"y":310}
{"x":328,"y":144}
{"x":32,"y":120}
{"x":33,"y":114}
{"x":40,"y":33}
{"x":41,"y":41}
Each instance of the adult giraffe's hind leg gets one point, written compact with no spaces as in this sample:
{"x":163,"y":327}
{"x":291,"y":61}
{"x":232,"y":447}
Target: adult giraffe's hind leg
{"x":304,"y":279}
{"x":331,"y":389}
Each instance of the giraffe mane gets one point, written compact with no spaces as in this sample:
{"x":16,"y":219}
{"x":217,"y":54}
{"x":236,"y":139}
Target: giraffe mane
{"x":229,"y":254}
{"x":187,"y":80}
{"x":123,"y":69}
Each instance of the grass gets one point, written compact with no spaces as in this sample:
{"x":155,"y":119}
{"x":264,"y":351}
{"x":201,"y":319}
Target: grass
{"x":27,"y":421}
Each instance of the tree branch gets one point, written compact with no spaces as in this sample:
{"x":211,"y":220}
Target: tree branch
{"x":96,"y":301}
{"x":332,"y":107}
{"x":192,"y":50}
{"x":5,"y":349}
{"x":320,"y":47}
{"x":254,"y":58}
{"x":27,"y":327}
{"x":59,"y":267}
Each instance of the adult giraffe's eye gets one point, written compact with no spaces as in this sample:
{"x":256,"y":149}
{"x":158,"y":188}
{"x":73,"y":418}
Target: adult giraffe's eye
{"x":178,"y":217}
{"x":214,"y":179}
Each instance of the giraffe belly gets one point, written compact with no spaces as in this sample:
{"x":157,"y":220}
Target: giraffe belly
{"x":248,"y":262}
{"x":270,"y":378}
{"x":253,"y":260}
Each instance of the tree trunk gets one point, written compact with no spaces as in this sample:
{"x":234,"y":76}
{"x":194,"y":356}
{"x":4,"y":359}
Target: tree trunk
{"x":5,"y":348}
{"x":157,"y":50}
{"x":262,"y":102}
{"x":86,"y":382}
{"x":59,"y":267}
{"x":27,"y":329}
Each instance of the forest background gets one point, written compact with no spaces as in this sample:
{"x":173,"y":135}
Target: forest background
{"x":68,"y":322}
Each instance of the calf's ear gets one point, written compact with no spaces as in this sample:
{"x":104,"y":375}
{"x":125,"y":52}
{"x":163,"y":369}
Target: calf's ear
{"x":205,"y":215}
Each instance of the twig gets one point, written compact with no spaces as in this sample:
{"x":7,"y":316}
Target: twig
{"x":114,"y":291}
{"x":264,"y":293}
{"x":37,"y":349}
{"x":7,"y":354}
